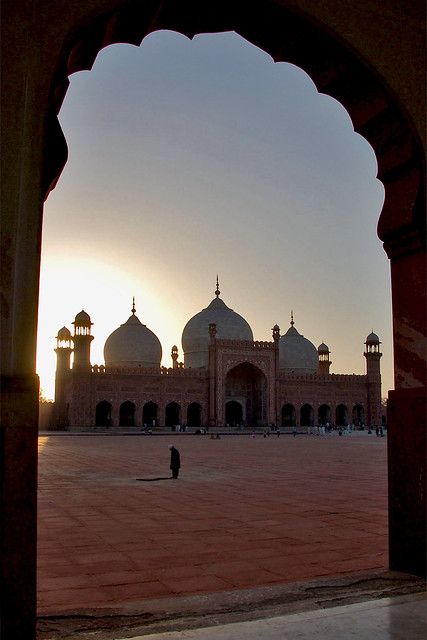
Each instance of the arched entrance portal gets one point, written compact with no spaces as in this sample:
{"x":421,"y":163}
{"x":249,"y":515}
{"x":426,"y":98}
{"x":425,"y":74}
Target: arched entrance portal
{"x":246,"y":385}
{"x":233,"y":413}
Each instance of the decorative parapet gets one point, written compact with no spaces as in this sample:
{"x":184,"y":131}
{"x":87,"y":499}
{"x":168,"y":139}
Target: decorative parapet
{"x":150,"y":371}
{"x":245,"y":344}
{"x":322,"y":378}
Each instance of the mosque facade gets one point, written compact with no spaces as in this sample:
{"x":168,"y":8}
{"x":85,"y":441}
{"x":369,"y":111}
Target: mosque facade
{"x":226,"y":378}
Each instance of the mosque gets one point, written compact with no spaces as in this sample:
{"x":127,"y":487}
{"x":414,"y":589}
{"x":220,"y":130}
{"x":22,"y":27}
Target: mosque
{"x":226,"y":378}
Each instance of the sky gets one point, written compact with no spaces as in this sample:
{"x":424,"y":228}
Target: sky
{"x":192,"y":158}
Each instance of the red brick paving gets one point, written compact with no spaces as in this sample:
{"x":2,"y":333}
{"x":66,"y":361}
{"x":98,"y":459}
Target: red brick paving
{"x":245,"y":512}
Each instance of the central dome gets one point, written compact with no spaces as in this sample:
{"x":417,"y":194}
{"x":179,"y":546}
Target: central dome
{"x":195,"y":337}
{"x":132,"y":345}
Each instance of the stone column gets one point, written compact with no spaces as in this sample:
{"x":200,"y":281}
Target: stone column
{"x":407,"y":416}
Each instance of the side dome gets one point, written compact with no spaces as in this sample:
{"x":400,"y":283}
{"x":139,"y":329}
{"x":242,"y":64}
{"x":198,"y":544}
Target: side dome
{"x":132,"y":345}
{"x":195,"y":337}
{"x":296,"y":353}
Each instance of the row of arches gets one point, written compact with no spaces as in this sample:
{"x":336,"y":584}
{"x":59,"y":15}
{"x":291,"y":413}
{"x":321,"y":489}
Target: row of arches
{"x":150,"y":414}
{"x":324,"y":415}
{"x":234,"y":414}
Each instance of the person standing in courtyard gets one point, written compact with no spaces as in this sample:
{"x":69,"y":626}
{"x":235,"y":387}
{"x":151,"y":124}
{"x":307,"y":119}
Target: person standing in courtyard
{"x":175,"y":464}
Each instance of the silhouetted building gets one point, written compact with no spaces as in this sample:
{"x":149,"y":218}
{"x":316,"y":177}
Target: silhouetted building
{"x":226,"y":378}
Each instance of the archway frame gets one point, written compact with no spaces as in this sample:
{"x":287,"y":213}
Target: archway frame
{"x":382,"y":87}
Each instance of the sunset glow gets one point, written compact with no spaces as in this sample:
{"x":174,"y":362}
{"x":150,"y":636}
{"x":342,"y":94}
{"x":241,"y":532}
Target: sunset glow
{"x":192,"y":158}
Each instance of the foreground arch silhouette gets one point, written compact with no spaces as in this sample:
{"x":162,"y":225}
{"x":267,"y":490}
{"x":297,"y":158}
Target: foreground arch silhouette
{"x":369,"y":60}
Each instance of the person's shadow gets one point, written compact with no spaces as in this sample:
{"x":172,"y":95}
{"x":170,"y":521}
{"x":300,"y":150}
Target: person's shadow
{"x":154,"y":479}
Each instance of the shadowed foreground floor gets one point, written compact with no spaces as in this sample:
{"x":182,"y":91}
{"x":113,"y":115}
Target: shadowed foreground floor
{"x":244,"y":513}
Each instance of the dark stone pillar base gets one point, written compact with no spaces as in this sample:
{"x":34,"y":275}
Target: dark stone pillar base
{"x":406,"y":414}
{"x":18,"y":495}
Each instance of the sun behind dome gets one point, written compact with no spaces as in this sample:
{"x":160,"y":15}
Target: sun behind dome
{"x":132,"y":345}
{"x":195,"y":337}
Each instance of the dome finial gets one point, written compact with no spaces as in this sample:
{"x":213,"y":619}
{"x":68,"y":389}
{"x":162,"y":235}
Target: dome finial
{"x":292,"y":318}
{"x":133,"y":306}
{"x":217,"y":291}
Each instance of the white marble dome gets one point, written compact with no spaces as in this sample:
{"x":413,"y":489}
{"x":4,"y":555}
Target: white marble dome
{"x":296,"y":353}
{"x":195,"y":337}
{"x":132,"y":345}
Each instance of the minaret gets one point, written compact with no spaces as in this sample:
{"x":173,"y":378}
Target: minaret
{"x":174,"y":355}
{"x":63,"y":350}
{"x":82,"y":339}
{"x":63,"y":354}
{"x":373,"y":375}
{"x":324,"y":359}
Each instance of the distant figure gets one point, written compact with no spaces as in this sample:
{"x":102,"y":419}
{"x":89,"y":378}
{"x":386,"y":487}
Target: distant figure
{"x":294,"y":431}
{"x":278,"y":433}
{"x":175,"y":461}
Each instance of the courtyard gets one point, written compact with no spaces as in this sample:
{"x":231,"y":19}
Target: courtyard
{"x":245,"y":512}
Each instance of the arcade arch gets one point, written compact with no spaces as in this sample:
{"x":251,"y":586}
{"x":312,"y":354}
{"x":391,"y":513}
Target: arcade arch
{"x":306,"y":415}
{"x":341,"y":415}
{"x":324,"y":414}
{"x":288,"y":415}
{"x":172,"y":414}
{"x":358,"y":415}
{"x":194,"y":415}
{"x":127,"y":414}
{"x":150,"y":414}
{"x":103,"y":414}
